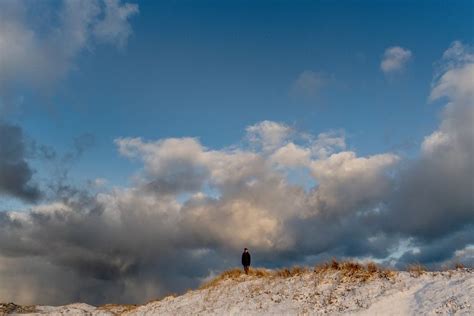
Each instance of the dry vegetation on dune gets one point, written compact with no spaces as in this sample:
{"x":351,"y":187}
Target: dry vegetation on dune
{"x":12,"y":308}
{"x":117,"y":309}
{"x":353,"y":271}
{"x":416,"y":269}
{"x":348,"y":270}
{"x":234,"y":274}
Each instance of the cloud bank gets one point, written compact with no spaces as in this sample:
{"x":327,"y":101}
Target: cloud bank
{"x":191,"y":209}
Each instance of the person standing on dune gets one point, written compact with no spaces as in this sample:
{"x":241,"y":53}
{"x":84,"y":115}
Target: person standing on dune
{"x":246,"y":260}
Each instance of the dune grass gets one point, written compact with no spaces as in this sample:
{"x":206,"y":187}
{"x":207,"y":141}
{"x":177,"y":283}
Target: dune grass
{"x":459,"y":266}
{"x":234,"y":274}
{"x":117,"y":309}
{"x":350,"y":272}
{"x":416,"y":269}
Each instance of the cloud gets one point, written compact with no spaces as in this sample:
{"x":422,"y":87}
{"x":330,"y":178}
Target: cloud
{"x":183,"y":165}
{"x":444,"y":251}
{"x":454,"y":78}
{"x":17,"y":153}
{"x":456,"y":56}
{"x":464,"y":256}
{"x":268,"y":135}
{"x":15,"y":172}
{"x":291,"y":155}
{"x":395,"y":59}
{"x":191,"y":209}
{"x":309,"y":83}
{"x":435,"y":195}
{"x":348,"y":182}
{"x":328,"y":143}
{"x":172,"y":165}
{"x":114,"y":28}
{"x":39,"y":54}
{"x":236,"y":197}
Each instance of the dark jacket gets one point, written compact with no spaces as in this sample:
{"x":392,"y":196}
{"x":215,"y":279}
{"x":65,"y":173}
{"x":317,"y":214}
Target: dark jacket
{"x":246,"y":259}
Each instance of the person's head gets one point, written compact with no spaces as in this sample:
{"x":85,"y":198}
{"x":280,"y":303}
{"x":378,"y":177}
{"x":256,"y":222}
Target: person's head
{"x":246,"y":250}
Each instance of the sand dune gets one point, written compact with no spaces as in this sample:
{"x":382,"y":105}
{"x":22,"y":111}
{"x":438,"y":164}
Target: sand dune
{"x":329,"y":290}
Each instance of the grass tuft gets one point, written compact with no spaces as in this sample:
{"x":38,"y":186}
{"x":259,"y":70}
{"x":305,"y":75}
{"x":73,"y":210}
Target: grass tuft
{"x":353,"y":271}
{"x":372,"y":267}
{"x":117,"y":309}
{"x":416,"y":269}
{"x":234,"y":274}
{"x":458,"y":266}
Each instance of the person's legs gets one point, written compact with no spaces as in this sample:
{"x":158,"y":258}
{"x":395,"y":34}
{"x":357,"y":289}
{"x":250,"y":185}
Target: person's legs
{"x":246,"y":269}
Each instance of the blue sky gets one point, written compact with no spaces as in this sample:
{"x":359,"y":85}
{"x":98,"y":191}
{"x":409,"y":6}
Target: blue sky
{"x":150,"y":141}
{"x":208,"y":69}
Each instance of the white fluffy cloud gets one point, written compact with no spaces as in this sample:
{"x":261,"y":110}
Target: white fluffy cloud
{"x":456,"y":84}
{"x":267,"y":134}
{"x":347,"y":181}
{"x":176,"y":165}
{"x":292,"y":155}
{"x":179,"y":165}
{"x":394,"y":59}
{"x":328,"y":143}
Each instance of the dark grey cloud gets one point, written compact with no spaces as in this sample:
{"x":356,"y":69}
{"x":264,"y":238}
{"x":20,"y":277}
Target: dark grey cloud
{"x":123,"y":254}
{"x":15,"y":172}
{"x":440,"y":252}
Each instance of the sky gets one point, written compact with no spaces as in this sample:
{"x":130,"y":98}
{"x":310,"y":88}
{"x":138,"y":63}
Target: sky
{"x":144,"y":144}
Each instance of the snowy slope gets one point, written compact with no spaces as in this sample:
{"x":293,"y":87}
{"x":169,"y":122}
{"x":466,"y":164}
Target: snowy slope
{"x":310,"y":293}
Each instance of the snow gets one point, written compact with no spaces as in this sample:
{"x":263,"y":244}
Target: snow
{"x":431,"y":293}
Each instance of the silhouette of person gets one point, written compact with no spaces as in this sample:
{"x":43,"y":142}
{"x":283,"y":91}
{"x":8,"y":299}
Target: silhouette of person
{"x":246,"y":260}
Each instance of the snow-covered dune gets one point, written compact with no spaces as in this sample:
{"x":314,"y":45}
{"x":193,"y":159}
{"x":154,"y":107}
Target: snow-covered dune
{"x":333,"y":291}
